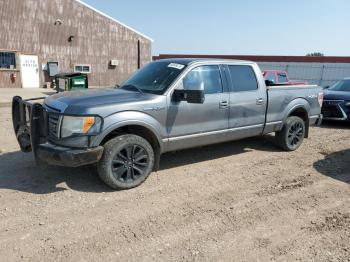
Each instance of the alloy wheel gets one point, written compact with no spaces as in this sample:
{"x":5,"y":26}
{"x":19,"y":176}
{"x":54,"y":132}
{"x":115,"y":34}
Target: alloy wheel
{"x":130,"y":163}
{"x":295,"y":134}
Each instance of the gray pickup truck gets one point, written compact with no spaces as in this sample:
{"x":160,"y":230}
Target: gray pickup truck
{"x":165,"y":106}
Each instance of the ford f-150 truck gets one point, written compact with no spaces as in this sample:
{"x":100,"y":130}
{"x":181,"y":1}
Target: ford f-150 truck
{"x":167,"y":105}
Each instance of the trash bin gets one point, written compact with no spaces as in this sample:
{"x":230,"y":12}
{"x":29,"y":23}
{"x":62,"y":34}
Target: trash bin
{"x":71,"y":81}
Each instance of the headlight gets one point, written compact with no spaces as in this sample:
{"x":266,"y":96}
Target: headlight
{"x":74,"y":125}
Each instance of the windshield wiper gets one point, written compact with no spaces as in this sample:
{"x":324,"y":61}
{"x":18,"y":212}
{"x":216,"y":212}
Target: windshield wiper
{"x":128,"y":87}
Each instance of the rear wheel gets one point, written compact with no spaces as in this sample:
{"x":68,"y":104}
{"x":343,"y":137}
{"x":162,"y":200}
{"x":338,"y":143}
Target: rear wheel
{"x":292,"y":135}
{"x":127,"y":161}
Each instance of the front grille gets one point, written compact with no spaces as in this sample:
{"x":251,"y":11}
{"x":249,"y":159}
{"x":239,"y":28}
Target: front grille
{"x":331,"y":109}
{"x":54,"y":120}
{"x":332,"y":102}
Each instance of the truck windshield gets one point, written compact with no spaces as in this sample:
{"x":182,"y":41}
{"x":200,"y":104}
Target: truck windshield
{"x":343,"y":85}
{"x":155,"y":78}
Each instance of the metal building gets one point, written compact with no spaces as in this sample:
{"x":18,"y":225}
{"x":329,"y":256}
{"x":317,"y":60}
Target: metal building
{"x":323,"y":74}
{"x":39,"y":38}
{"x":322,"y":71}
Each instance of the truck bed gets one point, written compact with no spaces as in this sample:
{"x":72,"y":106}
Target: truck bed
{"x":283,"y":99}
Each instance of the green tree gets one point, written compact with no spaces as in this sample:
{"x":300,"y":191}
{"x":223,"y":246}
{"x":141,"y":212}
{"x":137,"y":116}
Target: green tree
{"x":315,"y":54}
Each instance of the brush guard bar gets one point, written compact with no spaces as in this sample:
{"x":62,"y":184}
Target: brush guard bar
{"x":30,"y":123}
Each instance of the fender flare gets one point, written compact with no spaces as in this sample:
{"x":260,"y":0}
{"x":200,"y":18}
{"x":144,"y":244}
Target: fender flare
{"x":121,"y":124}
{"x":305,"y":106}
{"x":294,"y":108}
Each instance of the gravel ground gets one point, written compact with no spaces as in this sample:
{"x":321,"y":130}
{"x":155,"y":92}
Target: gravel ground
{"x":239,"y":201}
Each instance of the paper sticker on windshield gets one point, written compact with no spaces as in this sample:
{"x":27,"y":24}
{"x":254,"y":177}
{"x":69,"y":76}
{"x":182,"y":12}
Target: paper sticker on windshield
{"x":177,"y":66}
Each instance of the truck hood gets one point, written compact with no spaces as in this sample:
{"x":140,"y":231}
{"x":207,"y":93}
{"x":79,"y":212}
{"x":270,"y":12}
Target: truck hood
{"x":336,"y":95}
{"x":96,"y":101}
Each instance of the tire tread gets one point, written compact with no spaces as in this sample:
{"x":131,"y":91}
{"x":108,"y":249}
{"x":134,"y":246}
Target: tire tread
{"x":281,"y":135}
{"x":103,"y":166}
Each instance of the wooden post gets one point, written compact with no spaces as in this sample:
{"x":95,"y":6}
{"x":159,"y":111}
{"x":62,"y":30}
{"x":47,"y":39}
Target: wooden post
{"x":138,"y":54}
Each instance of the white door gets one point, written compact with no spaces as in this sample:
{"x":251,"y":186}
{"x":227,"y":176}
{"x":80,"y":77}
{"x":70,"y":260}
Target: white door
{"x":30,"y":71}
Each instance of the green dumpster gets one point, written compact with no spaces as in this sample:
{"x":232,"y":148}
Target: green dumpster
{"x":71,"y":81}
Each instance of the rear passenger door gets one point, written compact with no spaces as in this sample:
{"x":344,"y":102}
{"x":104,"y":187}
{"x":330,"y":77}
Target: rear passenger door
{"x":248,"y":101}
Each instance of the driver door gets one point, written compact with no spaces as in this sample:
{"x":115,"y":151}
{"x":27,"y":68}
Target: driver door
{"x":191,"y":125}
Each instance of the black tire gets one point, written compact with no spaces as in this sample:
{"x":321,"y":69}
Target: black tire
{"x":292,"y":135}
{"x":127,"y":161}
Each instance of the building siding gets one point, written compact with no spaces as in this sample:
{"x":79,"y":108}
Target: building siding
{"x":27,"y":26}
{"x":323,"y":74}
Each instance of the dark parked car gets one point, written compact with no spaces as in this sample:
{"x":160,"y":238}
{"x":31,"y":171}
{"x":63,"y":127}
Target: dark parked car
{"x":336,"y":104}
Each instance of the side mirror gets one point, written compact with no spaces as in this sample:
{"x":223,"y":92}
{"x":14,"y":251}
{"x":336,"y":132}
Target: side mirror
{"x":325,"y":87}
{"x":191,"y":94}
{"x":194,"y":94}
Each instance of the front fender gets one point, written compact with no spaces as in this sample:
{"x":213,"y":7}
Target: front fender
{"x":128,"y":118}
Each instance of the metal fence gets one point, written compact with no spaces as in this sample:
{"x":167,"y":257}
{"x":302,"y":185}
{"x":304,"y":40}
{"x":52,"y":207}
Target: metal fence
{"x":322,"y":74}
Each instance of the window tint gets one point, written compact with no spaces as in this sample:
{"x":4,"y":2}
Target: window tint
{"x":243,"y":78}
{"x":155,"y":77}
{"x":271,"y":77}
{"x":209,"y":76}
{"x":282,"y":78}
{"x":343,"y":85}
{"x":7,"y":60}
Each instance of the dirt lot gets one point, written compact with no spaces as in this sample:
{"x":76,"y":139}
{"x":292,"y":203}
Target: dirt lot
{"x":239,"y":201}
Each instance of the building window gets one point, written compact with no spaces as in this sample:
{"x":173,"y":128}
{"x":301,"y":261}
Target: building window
{"x":7,"y":60}
{"x":86,"y":69}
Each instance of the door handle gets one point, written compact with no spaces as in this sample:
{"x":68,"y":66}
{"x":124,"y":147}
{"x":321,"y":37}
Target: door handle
{"x":223,"y":104}
{"x":259,"y":101}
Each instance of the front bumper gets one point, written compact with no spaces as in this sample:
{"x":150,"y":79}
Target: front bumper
{"x":30,"y":123}
{"x":335,"y":110}
{"x":68,"y":157}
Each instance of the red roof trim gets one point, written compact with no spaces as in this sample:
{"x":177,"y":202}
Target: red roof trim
{"x":297,"y":59}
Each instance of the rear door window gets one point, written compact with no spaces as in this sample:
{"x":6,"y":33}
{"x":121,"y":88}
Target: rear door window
{"x":243,"y":78}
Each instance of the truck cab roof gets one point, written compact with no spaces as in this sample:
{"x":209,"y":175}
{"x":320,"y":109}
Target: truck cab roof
{"x":188,"y":61}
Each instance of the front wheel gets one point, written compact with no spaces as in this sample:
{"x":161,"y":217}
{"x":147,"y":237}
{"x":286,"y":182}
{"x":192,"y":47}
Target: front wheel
{"x":292,"y":135}
{"x":127,"y":161}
